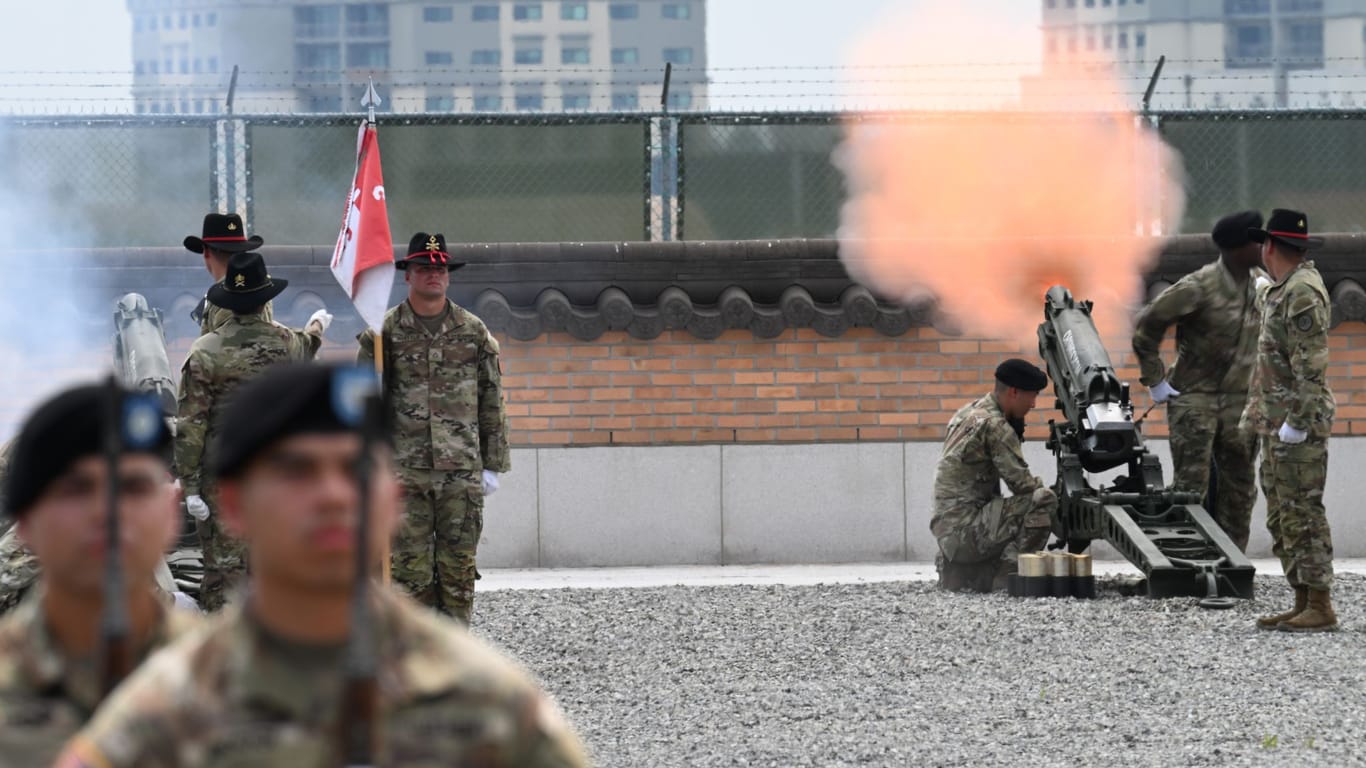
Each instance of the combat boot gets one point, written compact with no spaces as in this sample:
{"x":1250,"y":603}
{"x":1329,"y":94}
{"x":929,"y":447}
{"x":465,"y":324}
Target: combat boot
{"x":1318,"y":617}
{"x":1301,"y":602}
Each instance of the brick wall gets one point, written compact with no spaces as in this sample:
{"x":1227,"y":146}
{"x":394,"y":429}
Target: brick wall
{"x":800,"y":387}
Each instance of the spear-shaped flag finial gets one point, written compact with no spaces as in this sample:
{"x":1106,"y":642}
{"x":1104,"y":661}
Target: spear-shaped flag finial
{"x":371,"y":100}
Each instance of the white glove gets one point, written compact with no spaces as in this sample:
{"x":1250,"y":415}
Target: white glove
{"x":197,"y":508}
{"x":1290,"y":435}
{"x":1162,"y":392}
{"x":1261,"y":282}
{"x":490,"y":482}
{"x":322,"y":317}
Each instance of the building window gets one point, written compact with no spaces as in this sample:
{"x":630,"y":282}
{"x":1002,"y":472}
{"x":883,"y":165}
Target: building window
{"x":1090,"y":3}
{"x":624,"y":101}
{"x":153,"y":67}
{"x":199,"y":106}
{"x":487,"y":57}
{"x":184,"y":24}
{"x":184,"y":106}
{"x":676,"y":11}
{"x":140,"y":108}
{"x":210,"y":19}
{"x":137,"y":67}
{"x":573,"y":11}
{"x":438,"y":58}
{"x":317,"y":21}
{"x":1123,"y":39}
{"x":625,"y":55}
{"x":152,"y":27}
{"x":439,"y":104}
{"x":488,"y":103}
{"x":1248,"y":45}
{"x":484,"y":13}
{"x":526,"y":12}
{"x":527,"y":56}
{"x":576,"y":102}
{"x":528,"y":102}
{"x":574,"y":55}
{"x":435,"y":14}
{"x":137,"y":27}
{"x":1140,"y":39}
{"x":678,"y":55}
{"x":198,"y":66}
{"x":213,"y":65}
{"x":1304,"y":44}
{"x":1246,"y":7}
{"x":623,"y":11}
{"x":197,"y":20}
{"x":367,"y":20}
{"x":166,"y":24}
{"x":324,"y":103}
{"x":155,"y":108}
{"x":367,"y":55}
{"x":680,"y":100}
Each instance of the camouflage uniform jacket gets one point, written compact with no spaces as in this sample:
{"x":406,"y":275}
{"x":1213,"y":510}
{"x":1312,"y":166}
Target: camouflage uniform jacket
{"x":1289,"y":383}
{"x":446,"y":390}
{"x":232,"y":695}
{"x":18,"y":569}
{"x":212,"y":316}
{"x":980,"y":450}
{"x":1217,"y":322}
{"x":218,"y":362}
{"x":45,"y":697}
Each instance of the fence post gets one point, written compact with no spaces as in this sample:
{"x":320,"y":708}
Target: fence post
{"x":664,"y":139}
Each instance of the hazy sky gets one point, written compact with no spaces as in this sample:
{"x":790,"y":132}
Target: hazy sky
{"x":93,"y":36}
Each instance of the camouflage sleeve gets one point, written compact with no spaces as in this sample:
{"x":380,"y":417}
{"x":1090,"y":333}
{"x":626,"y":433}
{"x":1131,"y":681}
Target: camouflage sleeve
{"x":193,"y":402}
{"x":1153,"y":321}
{"x":546,"y":739}
{"x":366,"y":354}
{"x":1307,"y":328}
{"x":1009,"y":459}
{"x":303,"y":345}
{"x":493,"y":421}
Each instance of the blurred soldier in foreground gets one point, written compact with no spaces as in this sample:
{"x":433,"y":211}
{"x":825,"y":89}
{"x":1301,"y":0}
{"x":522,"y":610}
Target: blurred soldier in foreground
{"x":444,"y":385}
{"x":18,"y":566}
{"x":218,"y":362}
{"x":50,"y":646}
{"x":1217,"y":321}
{"x":980,"y":533}
{"x":263,"y":686}
{"x":223,"y":235}
{"x":1291,"y":407}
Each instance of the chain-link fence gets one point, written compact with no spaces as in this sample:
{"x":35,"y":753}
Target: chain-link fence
{"x":610,"y":177}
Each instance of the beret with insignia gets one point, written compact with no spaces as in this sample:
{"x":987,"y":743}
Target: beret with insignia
{"x":1021,"y":374}
{"x":286,"y":400}
{"x":69,"y":427}
{"x":1231,"y":231}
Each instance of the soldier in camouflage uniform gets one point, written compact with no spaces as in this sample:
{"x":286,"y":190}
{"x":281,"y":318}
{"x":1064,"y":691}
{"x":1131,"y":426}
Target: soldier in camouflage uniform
{"x":223,"y":235}
{"x":445,"y":386}
{"x":50,"y":655}
{"x":1291,"y":408}
{"x":18,"y":566}
{"x":263,"y":686}
{"x":1217,"y":321}
{"x":981,"y":533}
{"x":218,"y":363}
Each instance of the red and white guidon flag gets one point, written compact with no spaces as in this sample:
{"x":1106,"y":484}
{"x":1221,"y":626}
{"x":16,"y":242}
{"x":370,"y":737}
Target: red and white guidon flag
{"x":363,"y":261}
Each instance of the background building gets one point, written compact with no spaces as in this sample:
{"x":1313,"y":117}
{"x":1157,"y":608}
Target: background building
{"x":1222,"y":53}
{"x":424,"y":55}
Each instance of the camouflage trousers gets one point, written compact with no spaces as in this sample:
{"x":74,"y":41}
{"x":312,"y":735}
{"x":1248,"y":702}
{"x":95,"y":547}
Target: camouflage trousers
{"x":433,"y":557}
{"x":1205,"y":427}
{"x":225,"y":559}
{"x":1293,"y":477}
{"x":971,"y":554}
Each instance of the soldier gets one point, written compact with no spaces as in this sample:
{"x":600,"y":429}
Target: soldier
{"x":445,"y":390}
{"x":1217,"y":321}
{"x":1291,"y":408}
{"x":241,"y":347}
{"x":981,"y":533}
{"x":264,"y":686}
{"x":50,"y":651}
{"x":18,"y":566}
{"x":223,"y":235}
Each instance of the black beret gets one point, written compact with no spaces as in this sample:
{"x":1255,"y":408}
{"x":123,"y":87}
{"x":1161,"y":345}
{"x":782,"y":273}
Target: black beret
{"x":289,"y":399}
{"x":1231,"y":231}
{"x":71,"y":426}
{"x":1021,"y":374}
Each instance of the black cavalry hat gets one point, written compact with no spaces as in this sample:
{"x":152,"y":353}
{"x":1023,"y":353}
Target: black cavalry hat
{"x":224,"y":232}
{"x":1287,"y":228}
{"x":1232,"y":231}
{"x":247,"y":285}
{"x":428,"y":249}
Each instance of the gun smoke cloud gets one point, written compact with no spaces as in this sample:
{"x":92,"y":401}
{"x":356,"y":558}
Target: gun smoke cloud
{"x":982,"y":206}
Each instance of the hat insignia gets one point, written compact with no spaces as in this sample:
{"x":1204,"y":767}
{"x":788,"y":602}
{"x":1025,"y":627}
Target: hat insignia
{"x":1301,"y":222}
{"x":239,"y":281}
{"x":232,"y":226}
{"x":432,"y":245}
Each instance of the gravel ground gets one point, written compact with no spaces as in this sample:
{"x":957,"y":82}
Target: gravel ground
{"x":901,"y":674}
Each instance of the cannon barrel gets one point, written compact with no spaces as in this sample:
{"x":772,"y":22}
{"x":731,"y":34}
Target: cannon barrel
{"x":140,"y":350}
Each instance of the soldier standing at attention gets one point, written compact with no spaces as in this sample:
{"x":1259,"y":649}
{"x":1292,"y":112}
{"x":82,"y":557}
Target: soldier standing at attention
{"x":981,"y":533}
{"x":1217,"y":321}
{"x":218,"y":362}
{"x":223,"y":235}
{"x":1291,"y":407}
{"x":51,"y":657}
{"x":445,"y":390}
{"x":263,"y":685}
